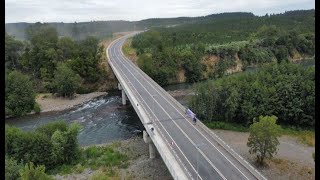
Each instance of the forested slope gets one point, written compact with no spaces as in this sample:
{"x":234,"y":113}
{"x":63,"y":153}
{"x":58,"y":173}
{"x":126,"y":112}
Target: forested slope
{"x":211,"y":47}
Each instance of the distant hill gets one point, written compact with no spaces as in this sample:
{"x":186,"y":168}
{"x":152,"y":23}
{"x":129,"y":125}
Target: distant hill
{"x":102,"y":29}
{"x":106,"y":28}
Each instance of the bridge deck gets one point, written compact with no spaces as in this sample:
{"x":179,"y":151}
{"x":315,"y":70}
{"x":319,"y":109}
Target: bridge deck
{"x":199,"y":153}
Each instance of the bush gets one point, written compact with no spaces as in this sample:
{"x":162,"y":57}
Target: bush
{"x":50,"y":145}
{"x":103,"y":156}
{"x":11,"y":168}
{"x":37,"y":108}
{"x":19,"y":94}
{"x":30,"y":172}
{"x":51,"y":127}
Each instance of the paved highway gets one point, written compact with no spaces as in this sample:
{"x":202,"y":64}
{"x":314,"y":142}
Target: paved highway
{"x":198,"y":151}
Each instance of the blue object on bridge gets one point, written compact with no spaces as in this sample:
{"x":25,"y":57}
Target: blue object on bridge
{"x":190,"y":113}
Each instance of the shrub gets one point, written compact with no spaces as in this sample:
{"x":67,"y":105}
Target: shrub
{"x":51,"y":127}
{"x":30,"y":172}
{"x":37,"y":108}
{"x":50,"y":145}
{"x":12,"y":168}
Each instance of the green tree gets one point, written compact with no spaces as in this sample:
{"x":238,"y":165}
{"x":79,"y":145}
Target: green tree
{"x":19,"y":94}
{"x":65,"y":82}
{"x":13,"y":51}
{"x":87,"y":64}
{"x":67,"y":48}
{"x":41,"y":56}
{"x":263,"y":139}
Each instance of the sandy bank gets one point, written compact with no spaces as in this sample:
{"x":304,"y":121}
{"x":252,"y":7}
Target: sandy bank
{"x":50,"y":103}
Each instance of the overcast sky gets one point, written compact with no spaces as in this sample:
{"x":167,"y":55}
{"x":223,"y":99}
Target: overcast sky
{"x":132,"y":10}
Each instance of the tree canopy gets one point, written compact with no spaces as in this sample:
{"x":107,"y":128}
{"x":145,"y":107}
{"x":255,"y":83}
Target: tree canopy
{"x":263,"y":139}
{"x":19,"y":94}
{"x":285,"y":90}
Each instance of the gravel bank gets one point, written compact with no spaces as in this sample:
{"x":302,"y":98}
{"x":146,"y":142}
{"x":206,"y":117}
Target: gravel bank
{"x":293,"y":160}
{"x":50,"y":103}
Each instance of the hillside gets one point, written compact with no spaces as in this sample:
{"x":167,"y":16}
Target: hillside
{"x":102,"y":29}
{"x":221,"y":44}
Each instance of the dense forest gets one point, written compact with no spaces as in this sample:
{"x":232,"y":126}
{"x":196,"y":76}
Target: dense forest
{"x":214,"y":46}
{"x":47,"y":63}
{"x":285,"y":90}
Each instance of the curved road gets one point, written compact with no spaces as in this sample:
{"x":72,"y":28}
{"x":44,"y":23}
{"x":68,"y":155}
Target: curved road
{"x":198,"y":152}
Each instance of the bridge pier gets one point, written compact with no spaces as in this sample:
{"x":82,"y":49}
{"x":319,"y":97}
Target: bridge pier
{"x":123,"y":95}
{"x":152,"y":148}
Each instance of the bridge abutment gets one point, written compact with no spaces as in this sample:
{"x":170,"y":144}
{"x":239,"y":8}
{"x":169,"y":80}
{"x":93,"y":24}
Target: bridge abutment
{"x":152,"y":148}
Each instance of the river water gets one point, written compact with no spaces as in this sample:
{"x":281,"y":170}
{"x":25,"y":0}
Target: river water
{"x":103,"y":119}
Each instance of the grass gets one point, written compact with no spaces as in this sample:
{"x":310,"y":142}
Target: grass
{"x":127,"y":49}
{"x":226,"y":126}
{"x":106,"y":174}
{"x":304,"y":136}
{"x":95,"y":157}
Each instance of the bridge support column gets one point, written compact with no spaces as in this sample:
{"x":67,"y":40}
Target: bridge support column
{"x":123,"y":97}
{"x":152,"y":148}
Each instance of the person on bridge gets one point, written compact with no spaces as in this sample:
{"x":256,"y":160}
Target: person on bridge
{"x":194,"y":119}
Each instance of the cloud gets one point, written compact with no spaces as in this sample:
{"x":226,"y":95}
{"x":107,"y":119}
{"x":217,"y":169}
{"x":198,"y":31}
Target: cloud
{"x":88,"y":10}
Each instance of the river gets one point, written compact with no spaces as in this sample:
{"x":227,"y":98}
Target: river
{"x":103,"y":119}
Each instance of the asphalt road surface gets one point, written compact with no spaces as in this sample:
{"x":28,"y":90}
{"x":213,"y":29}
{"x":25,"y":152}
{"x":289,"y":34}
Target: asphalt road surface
{"x":200,"y":155}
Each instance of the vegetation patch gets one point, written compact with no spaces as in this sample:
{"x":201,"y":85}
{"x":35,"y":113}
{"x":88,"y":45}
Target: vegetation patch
{"x":285,"y":90}
{"x":254,"y":40}
{"x":306,"y":137}
{"x":226,"y":126}
{"x":128,"y":50}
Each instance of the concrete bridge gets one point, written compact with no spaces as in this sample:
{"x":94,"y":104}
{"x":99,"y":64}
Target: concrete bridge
{"x":189,"y":151}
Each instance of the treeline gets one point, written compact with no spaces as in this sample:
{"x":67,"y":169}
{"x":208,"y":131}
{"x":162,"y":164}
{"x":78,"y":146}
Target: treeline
{"x":284,"y":90}
{"x":46,"y":63}
{"x":254,"y":40}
